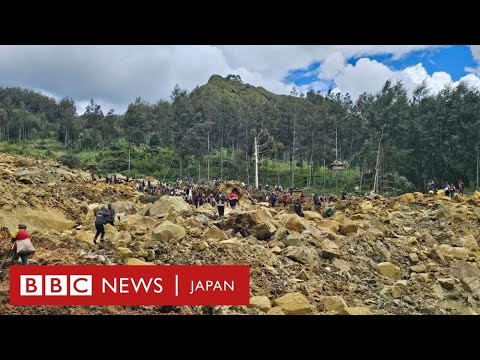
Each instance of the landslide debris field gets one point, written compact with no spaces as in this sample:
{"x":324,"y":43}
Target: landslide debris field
{"x":415,"y":254}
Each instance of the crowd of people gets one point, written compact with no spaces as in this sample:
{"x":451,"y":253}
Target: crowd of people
{"x":449,"y":188}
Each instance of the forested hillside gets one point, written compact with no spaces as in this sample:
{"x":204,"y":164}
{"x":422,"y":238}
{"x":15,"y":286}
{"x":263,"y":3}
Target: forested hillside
{"x":388,"y":141}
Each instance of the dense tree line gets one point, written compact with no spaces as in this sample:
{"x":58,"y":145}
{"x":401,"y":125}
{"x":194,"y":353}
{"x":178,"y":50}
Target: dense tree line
{"x":397,"y":142}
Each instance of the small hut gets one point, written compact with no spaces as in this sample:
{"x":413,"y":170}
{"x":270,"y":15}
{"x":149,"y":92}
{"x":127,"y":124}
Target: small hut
{"x":337,"y":165}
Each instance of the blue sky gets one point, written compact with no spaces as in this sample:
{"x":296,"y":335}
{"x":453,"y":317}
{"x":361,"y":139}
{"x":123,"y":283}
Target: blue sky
{"x":453,"y":60}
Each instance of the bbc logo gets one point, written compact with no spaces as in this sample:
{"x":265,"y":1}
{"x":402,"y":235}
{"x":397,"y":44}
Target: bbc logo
{"x":55,"y":285}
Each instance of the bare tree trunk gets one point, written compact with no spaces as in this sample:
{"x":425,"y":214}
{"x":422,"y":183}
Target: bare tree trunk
{"x":361,"y":175}
{"x":199,"y":170}
{"x":255,"y":142}
{"x":478,"y":162}
{"x":129,"y":157}
{"x":377,"y":166}
{"x":221,"y":158}
{"x":293,"y":154}
{"x":325,"y":162}
{"x":277,"y":168}
{"x":208,"y":155}
{"x":311,"y":165}
{"x":336,"y":143}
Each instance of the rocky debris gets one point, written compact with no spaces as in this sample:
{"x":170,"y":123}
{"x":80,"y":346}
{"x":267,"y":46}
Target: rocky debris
{"x":168,"y":204}
{"x":358,"y":310}
{"x":134,"y":261}
{"x":447,"y":283}
{"x":277,"y":310}
{"x":312,"y":215}
{"x":348,"y":228}
{"x":292,"y":240}
{"x":335,"y":304}
{"x":406,"y":198}
{"x":420,"y":268}
{"x":200,"y":245}
{"x":259,"y":224}
{"x":303,"y":255}
{"x":399,"y":288}
{"x":472,"y":285}
{"x":125,"y":207}
{"x":469,"y":242}
{"x":261,"y":303}
{"x":295,"y":223}
{"x":331,"y":225}
{"x":389,"y":270}
{"x":378,"y":255}
{"x":293,"y":304}
{"x":450,"y":252}
{"x":330,"y":249}
{"x":168,"y":231}
{"x":437,"y":256}
{"x":214,"y":233}
{"x":413,"y":257}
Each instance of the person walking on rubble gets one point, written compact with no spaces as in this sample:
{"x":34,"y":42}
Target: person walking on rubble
{"x":221,"y":205}
{"x":111,"y":215}
{"x":22,"y":245}
{"x":101,"y":219}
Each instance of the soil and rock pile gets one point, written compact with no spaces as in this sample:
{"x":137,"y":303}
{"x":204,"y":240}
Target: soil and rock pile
{"x":415,"y":254}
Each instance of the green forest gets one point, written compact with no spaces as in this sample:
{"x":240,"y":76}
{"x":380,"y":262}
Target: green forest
{"x":388,"y":142}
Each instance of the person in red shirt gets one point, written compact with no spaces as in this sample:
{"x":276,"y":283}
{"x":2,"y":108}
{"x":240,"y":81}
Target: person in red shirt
{"x":302,"y":197}
{"x":285,"y":200}
{"x":21,"y":235}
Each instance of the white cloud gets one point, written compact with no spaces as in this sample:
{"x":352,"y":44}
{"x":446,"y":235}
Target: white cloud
{"x":475,"y":52}
{"x":370,"y":75}
{"x":115,"y":75}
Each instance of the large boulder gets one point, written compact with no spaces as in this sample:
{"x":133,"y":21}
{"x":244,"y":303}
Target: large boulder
{"x":476,"y":195}
{"x":292,"y":240}
{"x":85,"y":236}
{"x":124,"y":253}
{"x":329,"y":249}
{"x":214,"y":233}
{"x":389,"y":270}
{"x":312,"y":215}
{"x":296,"y":223}
{"x":37,"y":219}
{"x":331,"y":225}
{"x":293,"y":304}
{"x":406,"y":198}
{"x":125,"y":207}
{"x":304,"y":255}
{"x":472,"y":285}
{"x":348,"y":228}
{"x":135,"y":261}
{"x":358,"y":310}
{"x":168,"y":231}
{"x":123,"y":236}
{"x":260,"y":302}
{"x":418,"y":195}
{"x":469,"y":242}
{"x":145,"y":222}
{"x":450,"y":252}
{"x":207,"y":210}
{"x":168,"y":204}
{"x":366,"y":206}
{"x":259,"y":224}
{"x":336,"y":304}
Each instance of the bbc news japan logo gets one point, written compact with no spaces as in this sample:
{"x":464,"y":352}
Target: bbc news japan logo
{"x":56,"y":285}
{"x":128,"y":286}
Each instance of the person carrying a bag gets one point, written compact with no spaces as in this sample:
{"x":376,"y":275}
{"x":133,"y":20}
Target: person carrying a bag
{"x":22,"y":245}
